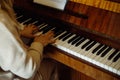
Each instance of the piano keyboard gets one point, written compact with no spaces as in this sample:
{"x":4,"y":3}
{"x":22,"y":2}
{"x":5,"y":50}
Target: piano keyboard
{"x":91,"y":51}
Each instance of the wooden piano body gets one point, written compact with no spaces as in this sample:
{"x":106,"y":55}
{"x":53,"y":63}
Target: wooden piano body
{"x":95,"y":19}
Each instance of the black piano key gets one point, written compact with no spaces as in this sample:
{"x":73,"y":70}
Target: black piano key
{"x":90,"y":46}
{"x":19,"y":12}
{"x":43,"y":28}
{"x":47,"y":29}
{"x":58,"y":32}
{"x":116,"y":57}
{"x":19,"y":17}
{"x":66,"y":37}
{"x":106,"y":51}
{"x":101,"y":50}
{"x":72,"y":39}
{"x":30,"y":21}
{"x":62,"y":36}
{"x":86,"y":44}
{"x":113,"y":54}
{"x":38,"y":23}
{"x":79,"y":42}
{"x":97,"y":48}
{"x":22,"y":19}
{"x":76,"y":40}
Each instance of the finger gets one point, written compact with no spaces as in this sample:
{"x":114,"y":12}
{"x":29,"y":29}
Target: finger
{"x":50,"y":34}
{"x":25,"y":25}
{"x":28,"y":25}
{"x":31,"y":25}
{"x":35,"y":31}
{"x":35,"y":28}
{"x":37,"y":34}
{"x":52,"y":41}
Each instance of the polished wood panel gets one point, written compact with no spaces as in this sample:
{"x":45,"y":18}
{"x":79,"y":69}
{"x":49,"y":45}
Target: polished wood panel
{"x":67,"y":73}
{"x":103,"y":4}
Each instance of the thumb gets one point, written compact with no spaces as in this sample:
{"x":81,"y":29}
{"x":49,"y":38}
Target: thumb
{"x":37,"y":34}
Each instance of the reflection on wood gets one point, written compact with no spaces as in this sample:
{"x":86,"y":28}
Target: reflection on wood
{"x":103,"y":4}
{"x":101,"y":22}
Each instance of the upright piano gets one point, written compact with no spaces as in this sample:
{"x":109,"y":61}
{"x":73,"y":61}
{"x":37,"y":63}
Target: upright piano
{"x":87,"y":33}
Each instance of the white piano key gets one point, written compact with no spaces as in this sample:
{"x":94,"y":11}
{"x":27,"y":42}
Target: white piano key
{"x":110,"y":61}
{"x":97,"y":57}
{"x":69,"y":45}
{"x":65,"y":43}
{"x":66,"y":36}
{"x":74,"y":48}
{"x":40,"y":27}
{"x":113,"y":64}
{"x":84,"y":53}
{"x":78,"y":49}
{"x":118,"y":72}
{"x":26,"y":20}
{"x":19,"y":17}
{"x":76,"y":40}
{"x":90,"y":54}
{"x":117,"y":66}
{"x":84,"y":50}
{"x":107,"y":55}
{"x":35,"y":22}
{"x":60,"y":35}
{"x":93,"y":56}
{"x":105,"y":60}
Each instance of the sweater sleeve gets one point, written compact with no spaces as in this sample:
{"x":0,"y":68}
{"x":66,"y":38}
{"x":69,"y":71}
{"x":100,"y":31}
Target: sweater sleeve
{"x":36,"y":52}
{"x":14,"y":57}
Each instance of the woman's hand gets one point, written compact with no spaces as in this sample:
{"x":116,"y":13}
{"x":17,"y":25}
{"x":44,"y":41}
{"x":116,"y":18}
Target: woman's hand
{"x":29,"y":31}
{"x":45,"y":39}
